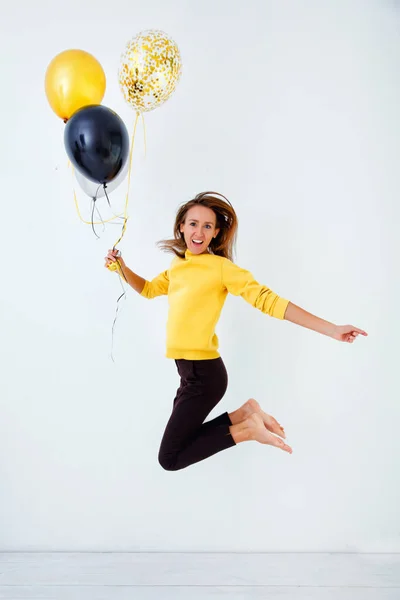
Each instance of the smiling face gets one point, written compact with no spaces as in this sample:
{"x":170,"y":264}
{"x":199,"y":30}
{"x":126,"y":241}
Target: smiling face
{"x":199,"y":228}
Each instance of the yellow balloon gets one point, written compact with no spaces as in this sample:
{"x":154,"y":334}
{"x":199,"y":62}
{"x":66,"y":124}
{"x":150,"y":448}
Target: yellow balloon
{"x":150,"y":70}
{"x":74,"y":79}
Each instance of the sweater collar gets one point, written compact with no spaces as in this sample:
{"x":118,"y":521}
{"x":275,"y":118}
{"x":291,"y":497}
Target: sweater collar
{"x":189,"y":254}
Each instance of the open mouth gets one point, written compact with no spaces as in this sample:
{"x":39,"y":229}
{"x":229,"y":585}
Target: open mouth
{"x":197,"y":242}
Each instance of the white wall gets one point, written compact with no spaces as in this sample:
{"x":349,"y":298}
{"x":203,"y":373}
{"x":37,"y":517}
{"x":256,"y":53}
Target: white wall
{"x":290,"y":108}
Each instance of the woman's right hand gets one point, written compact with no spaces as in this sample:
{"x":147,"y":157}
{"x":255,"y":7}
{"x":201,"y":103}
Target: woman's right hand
{"x":112,"y":257}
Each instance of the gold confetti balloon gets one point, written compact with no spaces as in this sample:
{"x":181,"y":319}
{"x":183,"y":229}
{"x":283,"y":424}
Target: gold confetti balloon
{"x":150,"y":70}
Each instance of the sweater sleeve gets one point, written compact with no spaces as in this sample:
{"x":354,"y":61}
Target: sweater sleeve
{"x":157,"y":286}
{"x":240,"y":282}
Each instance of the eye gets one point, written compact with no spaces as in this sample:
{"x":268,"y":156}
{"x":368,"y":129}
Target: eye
{"x":193,"y":224}
{"x":208,"y":226}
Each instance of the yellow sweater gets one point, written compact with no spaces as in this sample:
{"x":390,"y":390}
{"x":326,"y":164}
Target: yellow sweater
{"x":197,"y":287}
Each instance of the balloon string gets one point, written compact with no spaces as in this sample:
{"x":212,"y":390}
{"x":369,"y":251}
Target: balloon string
{"x":120,"y":271}
{"x":129,"y":184}
{"x":93,"y":227}
{"x":98,"y":212}
{"x":93,"y":222}
{"x":121,"y":216}
{"x":123,"y":295}
{"x":144,"y":135}
{"x":79,"y":212}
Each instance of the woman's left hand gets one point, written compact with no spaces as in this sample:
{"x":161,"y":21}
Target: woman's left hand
{"x":347,"y":333}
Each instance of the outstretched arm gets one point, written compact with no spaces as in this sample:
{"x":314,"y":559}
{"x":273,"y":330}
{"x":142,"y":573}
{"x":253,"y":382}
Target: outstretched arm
{"x":342,"y":333}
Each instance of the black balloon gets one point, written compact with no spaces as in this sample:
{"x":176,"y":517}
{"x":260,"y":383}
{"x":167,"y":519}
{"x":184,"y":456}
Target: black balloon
{"x":97,"y":143}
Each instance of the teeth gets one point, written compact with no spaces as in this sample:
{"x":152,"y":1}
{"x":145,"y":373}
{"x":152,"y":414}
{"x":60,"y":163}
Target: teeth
{"x":198,"y":241}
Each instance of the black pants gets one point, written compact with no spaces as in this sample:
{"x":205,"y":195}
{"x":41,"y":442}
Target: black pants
{"x":187,"y":439}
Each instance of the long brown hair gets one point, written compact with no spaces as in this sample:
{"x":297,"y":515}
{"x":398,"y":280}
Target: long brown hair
{"x":227,"y":223}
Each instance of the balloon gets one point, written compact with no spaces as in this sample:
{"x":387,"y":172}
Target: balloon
{"x":96,"y":190}
{"x":97,"y":143}
{"x":149,"y":70}
{"x":74,"y":78}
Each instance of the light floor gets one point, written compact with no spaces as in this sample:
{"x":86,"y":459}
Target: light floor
{"x":174,"y":576}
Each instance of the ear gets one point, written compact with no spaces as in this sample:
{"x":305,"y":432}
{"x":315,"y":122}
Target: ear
{"x":181,"y":227}
{"x":216,"y":233}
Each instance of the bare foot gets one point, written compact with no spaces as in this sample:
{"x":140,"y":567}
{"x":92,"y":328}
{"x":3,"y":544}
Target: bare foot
{"x":253,"y":428}
{"x":249,"y":408}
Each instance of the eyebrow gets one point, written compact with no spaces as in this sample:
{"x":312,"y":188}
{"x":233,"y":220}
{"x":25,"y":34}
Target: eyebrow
{"x":207,"y":222}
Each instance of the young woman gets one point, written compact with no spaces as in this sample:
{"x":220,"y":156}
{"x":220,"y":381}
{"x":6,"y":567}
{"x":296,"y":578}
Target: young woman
{"x":197,"y":283}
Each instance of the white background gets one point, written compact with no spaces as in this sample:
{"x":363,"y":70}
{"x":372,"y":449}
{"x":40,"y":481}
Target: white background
{"x":291,"y":109}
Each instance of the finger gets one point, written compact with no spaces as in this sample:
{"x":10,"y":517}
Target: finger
{"x":275,"y":422}
{"x":285,"y":448}
{"x":359,"y":331}
{"x":278,"y":431}
{"x":279,"y":443}
{"x":272,"y":425}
